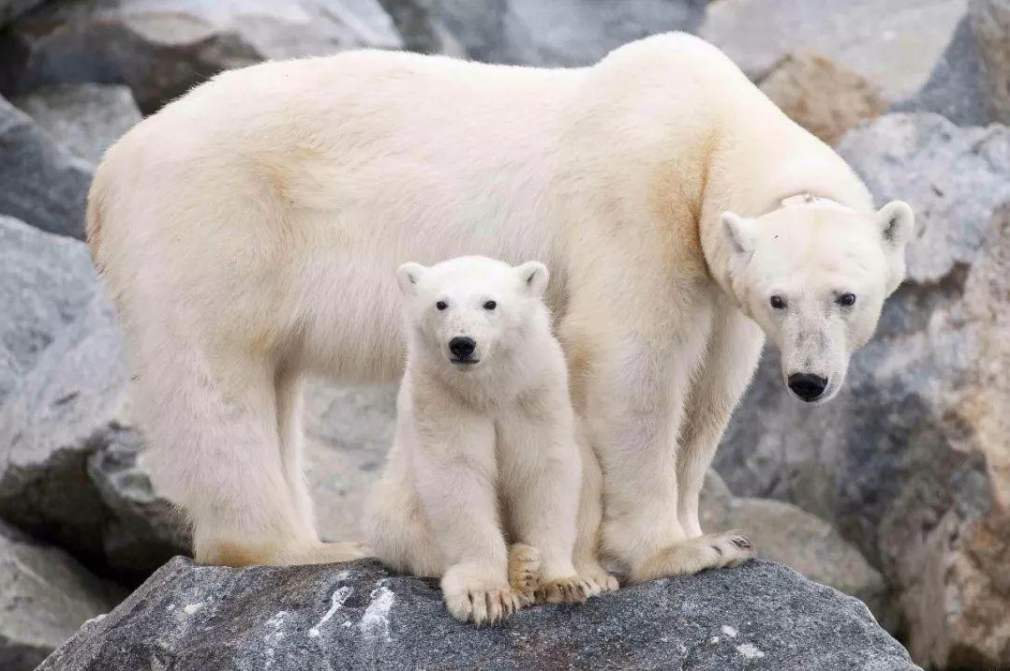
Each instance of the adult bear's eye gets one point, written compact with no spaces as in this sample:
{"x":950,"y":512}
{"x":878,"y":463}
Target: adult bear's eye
{"x":846,"y":300}
{"x":441,"y":305}
{"x":490,"y":305}
{"x":777,"y":302}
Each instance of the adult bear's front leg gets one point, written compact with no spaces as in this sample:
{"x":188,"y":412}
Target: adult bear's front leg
{"x":636,"y":389}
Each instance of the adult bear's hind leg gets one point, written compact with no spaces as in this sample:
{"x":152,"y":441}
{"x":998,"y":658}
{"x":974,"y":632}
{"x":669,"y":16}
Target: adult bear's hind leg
{"x":288,"y":388}
{"x":211,"y":423}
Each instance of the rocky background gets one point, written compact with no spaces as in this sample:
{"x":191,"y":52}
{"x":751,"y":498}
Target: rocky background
{"x":897,"y":492}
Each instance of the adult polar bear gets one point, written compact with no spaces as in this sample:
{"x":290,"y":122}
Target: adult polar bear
{"x":250,"y":233}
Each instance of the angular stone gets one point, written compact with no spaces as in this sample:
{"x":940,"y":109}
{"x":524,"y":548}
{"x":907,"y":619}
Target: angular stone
{"x":162,"y":48}
{"x":142,"y":529}
{"x":86,"y":118}
{"x":991,"y":22}
{"x":45,"y":597}
{"x":821,"y":96}
{"x":531,"y":32}
{"x":893,"y":46}
{"x":359,"y":616}
{"x":42,"y":183}
{"x":954,"y":88}
{"x":910,"y":461}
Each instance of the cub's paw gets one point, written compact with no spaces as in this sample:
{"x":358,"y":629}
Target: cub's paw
{"x":573,"y":589}
{"x":598,"y":580}
{"x":524,"y":570}
{"x":483,"y":604}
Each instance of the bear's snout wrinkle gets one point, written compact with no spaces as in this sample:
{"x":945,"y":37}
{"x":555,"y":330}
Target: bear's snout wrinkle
{"x":462,"y":348}
{"x":808,"y":386}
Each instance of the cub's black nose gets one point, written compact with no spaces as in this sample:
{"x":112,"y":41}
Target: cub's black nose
{"x":462,"y":347}
{"x":807,"y":386}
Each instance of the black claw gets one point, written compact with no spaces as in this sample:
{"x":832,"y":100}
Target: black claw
{"x":717,"y":549}
{"x":742,"y":543}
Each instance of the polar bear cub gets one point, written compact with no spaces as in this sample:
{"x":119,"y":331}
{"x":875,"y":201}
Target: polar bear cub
{"x":485,"y":451}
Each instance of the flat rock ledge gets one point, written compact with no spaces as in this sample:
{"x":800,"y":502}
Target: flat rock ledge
{"x":360,"y":616}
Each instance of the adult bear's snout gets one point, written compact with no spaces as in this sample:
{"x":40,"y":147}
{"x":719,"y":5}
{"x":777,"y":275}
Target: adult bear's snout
{"x":462,"y":347}
{"x":807,"y":386}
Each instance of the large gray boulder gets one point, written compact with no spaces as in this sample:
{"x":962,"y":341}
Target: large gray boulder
{"x":894,"y":46}
{"x":45,"y":597}
{"x":359,"y":616}
{"x":531,"y":32}
{"x":909,"y":462}
{"x":161,"y":48}
{"x":86,"y":118}
{"x":65,"y":440}
{"x":41,"y":183}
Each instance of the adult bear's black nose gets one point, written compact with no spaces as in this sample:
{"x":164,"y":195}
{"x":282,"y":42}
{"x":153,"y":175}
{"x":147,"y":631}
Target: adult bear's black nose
{"x":807,"y":386}
{"x":462,"y":347}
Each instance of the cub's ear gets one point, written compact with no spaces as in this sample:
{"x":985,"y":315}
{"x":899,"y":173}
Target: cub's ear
{"x":896,"y":222}
{"x":407,"y":277}
{"x":740,"y":232}
{"x":534,"y":276}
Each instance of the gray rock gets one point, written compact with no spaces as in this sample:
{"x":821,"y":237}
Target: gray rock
{"x":894,"y":46}
{"x":358,"y":616}
{"x":906,"y":462}
{"x":45,"y":597}
{"x":530,"y":32}
{"x":86,"y":118}
{"x":783,"y":533}
{"x":42,"y":183}
{"x":954,"y":88}
{"x":991,"y":22}
{"x":161,"y":48}
{"x":65,"y":470}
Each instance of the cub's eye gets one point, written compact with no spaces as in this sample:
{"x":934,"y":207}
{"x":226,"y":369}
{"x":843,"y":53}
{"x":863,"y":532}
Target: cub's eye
{"x":846,"y":300}
{"x":441,"y":305}
{"x":490,"y":305}
{"x":778,"y":302}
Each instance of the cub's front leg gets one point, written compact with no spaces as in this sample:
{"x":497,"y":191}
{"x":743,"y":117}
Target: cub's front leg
{"x":540,"y":470}
{"x":454,"y":464}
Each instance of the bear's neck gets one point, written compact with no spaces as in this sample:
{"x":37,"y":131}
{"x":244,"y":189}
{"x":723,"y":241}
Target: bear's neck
{"x":750,"y":177}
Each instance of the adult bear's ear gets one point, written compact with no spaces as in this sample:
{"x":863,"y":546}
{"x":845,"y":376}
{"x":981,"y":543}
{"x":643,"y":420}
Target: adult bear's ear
{"x":896,"y":223}
{"x":407,"y":276}
{"x":740,"y":232}
{"x":534,"y":276}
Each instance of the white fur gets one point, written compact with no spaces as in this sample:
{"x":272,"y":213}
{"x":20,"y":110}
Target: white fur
{"x":250,"y":232}
{"x":485,"y":452}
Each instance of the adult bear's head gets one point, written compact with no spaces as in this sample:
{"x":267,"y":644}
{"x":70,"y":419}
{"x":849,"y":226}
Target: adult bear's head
{"x":814,"y":275}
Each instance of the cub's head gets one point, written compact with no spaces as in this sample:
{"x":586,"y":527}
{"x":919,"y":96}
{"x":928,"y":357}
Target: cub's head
{"x":472,"y":310}
{"x":814,"y":276}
